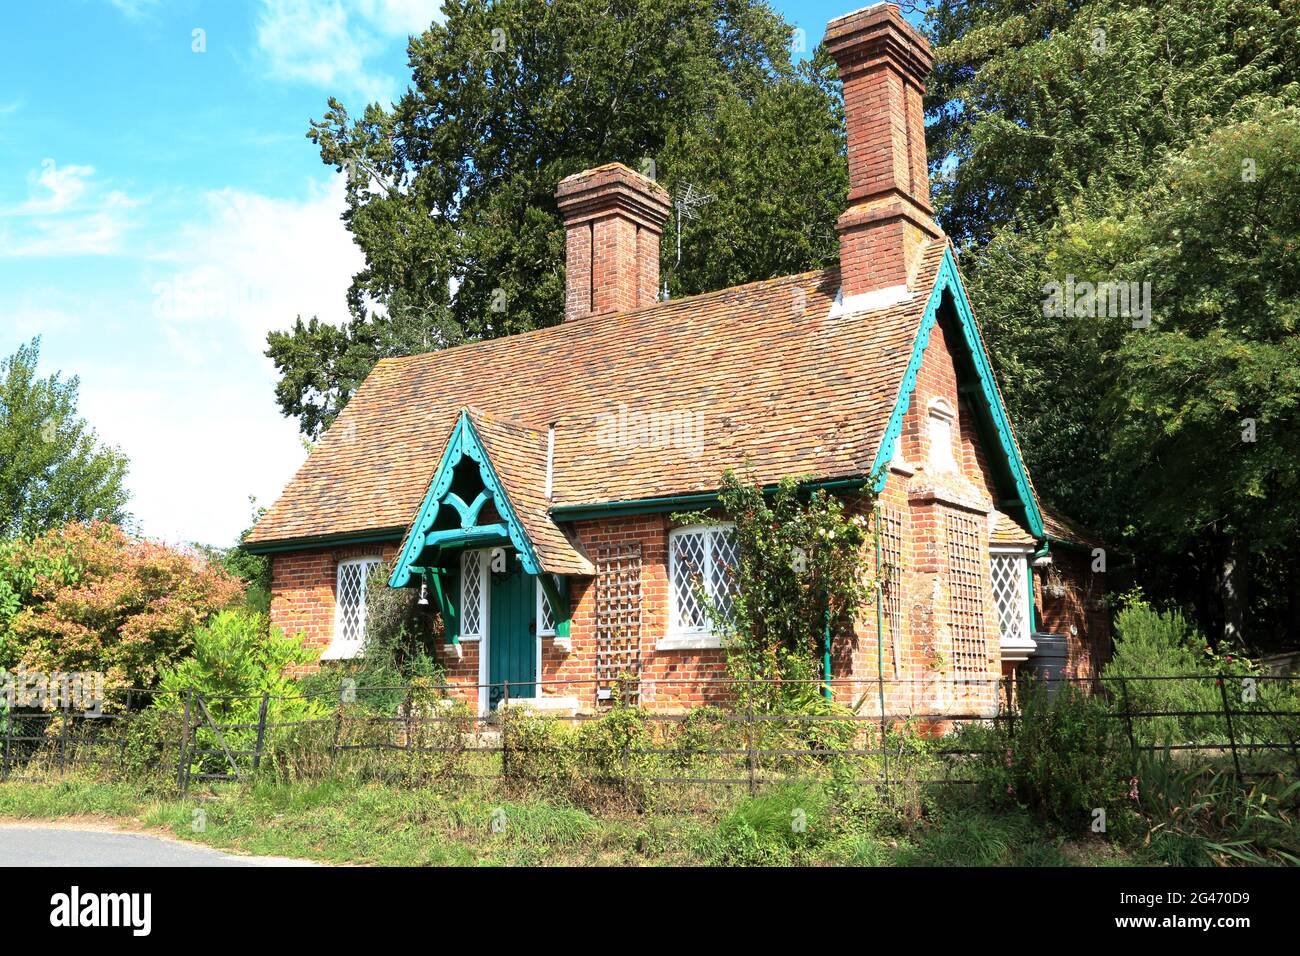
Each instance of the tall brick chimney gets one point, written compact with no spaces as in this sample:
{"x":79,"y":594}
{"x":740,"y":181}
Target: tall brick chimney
{"x":883,"y":62}
{"x":613,"y":218}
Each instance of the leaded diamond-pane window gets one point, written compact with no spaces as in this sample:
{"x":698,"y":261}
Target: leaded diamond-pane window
{"x":545,"y":616}
{"x":701,"y":569}
{"x":473,"y":593}
{"x":350,"y":605}
{"x":1011,"y":595}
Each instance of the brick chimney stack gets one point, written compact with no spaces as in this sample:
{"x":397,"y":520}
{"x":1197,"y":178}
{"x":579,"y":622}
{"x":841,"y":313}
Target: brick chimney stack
{"x":613,"y":218}
{"x":883,"y":62}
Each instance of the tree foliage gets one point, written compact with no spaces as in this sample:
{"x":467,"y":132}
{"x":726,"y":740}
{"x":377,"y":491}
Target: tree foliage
{"x":91,"y":598}
{"x":1104,"y":141}
{"x":802,"y":568}
{"x":52,"y":467}
{"x":450,"y":191}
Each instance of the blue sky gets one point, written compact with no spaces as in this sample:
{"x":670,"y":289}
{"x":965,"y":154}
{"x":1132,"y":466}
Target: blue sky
{"x":161,"y":210}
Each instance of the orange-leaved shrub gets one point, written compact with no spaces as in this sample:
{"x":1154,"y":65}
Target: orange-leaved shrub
{"x":96,"y":599}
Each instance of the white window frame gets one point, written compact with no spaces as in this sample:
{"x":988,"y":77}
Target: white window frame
{"x":340,"y":649}
{"x":562,"y":644}
{"x":543,"y":604}
{"x":679,"y":636}
{"x":1014,"y":647}
{"x":484,"y":581}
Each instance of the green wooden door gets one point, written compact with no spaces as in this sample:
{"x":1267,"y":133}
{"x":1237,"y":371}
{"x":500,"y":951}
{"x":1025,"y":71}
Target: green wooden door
{"x":512,"y":639}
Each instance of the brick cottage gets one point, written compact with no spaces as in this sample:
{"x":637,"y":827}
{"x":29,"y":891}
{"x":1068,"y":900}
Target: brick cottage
{"x":527,"y":485}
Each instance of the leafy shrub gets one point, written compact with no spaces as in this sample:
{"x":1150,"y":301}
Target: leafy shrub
{"x":1063,"y":757}
{"x":802,"y":563}
{"x":397,"y":649}
{"x":594,"y":762}
{"x":1163,"y":664}
{"x":91,"y":598}
{"x":236,"y":659}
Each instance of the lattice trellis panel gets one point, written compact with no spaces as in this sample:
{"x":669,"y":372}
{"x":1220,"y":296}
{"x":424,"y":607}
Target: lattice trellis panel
{"x":966,"y":576}
{"x":890,"y":571}
{"x":1007,"y":575}
{"x":618,"y":620}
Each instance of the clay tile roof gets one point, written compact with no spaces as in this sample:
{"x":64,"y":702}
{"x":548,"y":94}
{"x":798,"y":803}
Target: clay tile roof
{"x":1060,"y":528}
{"x":651,"y":402}
{"x":518,"y":456}
{"x":1008,"y":531}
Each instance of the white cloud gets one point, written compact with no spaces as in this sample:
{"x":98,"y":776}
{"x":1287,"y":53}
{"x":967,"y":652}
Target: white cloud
{"x":401,"y":17}
{"x":333,"y":43}
{"x":250,"y":264}
{"x":199,"y":443}
{"x":204,"y":432}
{"x":169,"y":350}
{"x":66,"y":213}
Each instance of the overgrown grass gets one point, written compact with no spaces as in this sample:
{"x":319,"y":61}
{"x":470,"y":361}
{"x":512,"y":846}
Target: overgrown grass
{"x":347,"y":822}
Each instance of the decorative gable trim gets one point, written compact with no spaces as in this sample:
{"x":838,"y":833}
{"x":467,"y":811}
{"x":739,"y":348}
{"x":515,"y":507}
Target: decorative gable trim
{"x":463,"y":443}
{"x":949,"y":279}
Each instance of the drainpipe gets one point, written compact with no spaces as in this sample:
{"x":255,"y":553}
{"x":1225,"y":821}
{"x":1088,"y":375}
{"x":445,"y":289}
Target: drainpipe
{"x":880,"y":631}
{"x":1029,"y":573}
{"x":826,"y":656}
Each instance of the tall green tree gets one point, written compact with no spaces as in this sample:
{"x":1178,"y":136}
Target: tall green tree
{"x":1072,"y":129}
{"x":451,"y":190}
{"x":1037,"y":100}
{"x":53,"y":468}
{"x":1202,"y":407}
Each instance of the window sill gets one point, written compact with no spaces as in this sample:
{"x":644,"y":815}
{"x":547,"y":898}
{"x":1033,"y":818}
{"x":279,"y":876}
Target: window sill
{"x":902,"y":468}
{"x":340,"y":653}
{"x":1017,"y":650}
{"x":689,"y":642}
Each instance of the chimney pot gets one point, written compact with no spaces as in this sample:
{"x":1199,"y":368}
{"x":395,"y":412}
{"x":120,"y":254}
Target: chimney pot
{"x":613,"y":218}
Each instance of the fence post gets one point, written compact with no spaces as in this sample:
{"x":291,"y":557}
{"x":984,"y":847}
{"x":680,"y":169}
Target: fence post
{"x":749,"y":737}
{"x":1128,"y":720}
{"x":63,"y":740}
{"x":338,"y":727}
{"x":126,"y":716}
{"x":1227,"y":717}
{"x":504,"y":708}
{"x":1011,"y":708}
{"x":261,"y":730}
{"x":9,"y":736}
{"x":183,"y":768}
{"x":627,"y":738}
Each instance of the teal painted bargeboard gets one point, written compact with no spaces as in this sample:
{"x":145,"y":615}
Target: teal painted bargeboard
{"x":512,"y":651}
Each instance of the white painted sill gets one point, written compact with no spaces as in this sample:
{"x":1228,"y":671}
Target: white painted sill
{"x":333,"y":653}
{"x":690,"y":641}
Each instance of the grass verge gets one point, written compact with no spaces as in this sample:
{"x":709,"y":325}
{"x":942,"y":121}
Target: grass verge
{"x":346,"y":822}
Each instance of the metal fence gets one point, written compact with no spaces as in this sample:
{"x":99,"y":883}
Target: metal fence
{"x":735,"y":733}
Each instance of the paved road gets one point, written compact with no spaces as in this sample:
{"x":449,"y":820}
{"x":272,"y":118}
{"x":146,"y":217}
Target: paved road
{"x":23,"y":845}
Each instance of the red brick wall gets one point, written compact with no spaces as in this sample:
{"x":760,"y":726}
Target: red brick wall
{"x":918,"y":656}
{"x":302,"y":588}
{"x":1070,"y":600}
